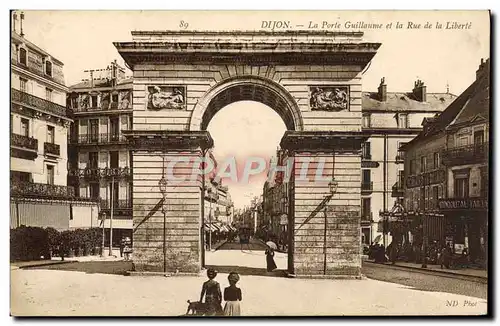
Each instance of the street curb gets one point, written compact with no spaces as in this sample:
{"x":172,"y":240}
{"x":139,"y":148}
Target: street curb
{"x":327,"y":277}
{"x":480,"y":279}
{"x":42,"y":265}
{"x":133,"y":273}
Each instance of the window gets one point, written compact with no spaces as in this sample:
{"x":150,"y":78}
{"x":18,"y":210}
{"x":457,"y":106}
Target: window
{"x":423,"y":164}
{"x":93,"y":159}
{"x":50,"y":174}
{"x":366,"y":176}
{"x":422,"y":198}
{"x":401,"y":174}
{"x":114,"y":128}
{"x":484,"y":182}
{"x":435,"y":196}
{"x":462,"y":141}
{"x":113,"y":159}
{"x":114,"y":98}
{"x":478,"y":137}
{"x":365,"y":208}
{"x":366,"y":151}
{"x":48,"y":68}
{"x":94,"y":190}
{"x":50,"y":134}
{"x":402,"y":119}
{"x":94,"y":130}
{"x":48,"y":94}
{"x":94,"y":101}
{"x":23,"y":85}
{"x":113,"y":191}
{"x":23,"y":56}
{"x":367,"y":120}
{"x":25,"y":127}
{"x":461,"y":187}
{"x":436,"y":161}
{"x":413,"y":167}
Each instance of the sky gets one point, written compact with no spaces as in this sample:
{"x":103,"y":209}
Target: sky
{"x":84,"y":40}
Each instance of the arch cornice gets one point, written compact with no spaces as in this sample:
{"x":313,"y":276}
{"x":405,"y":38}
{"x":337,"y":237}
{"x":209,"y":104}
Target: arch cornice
{"x":291,"y":105}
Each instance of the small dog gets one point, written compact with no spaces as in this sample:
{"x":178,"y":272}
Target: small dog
{"x":197,"y":308}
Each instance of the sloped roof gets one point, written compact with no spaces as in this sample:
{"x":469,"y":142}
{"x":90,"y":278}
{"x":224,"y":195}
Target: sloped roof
{"x":473,"y":101}
{"x":478,"y":104}
{"x":401,"y":102}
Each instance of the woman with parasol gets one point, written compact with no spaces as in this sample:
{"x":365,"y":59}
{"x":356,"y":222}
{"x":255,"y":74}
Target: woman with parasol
{"x":271,"y":265}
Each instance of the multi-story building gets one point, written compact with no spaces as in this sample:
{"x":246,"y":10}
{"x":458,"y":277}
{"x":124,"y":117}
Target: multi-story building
{"x":100,"y":164}
{"x":38,"y":148}
{"x":390,"y":119}
{"x":446,"y":193}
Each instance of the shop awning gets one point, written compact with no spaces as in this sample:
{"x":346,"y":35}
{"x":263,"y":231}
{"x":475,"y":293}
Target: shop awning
{"x":209,"y":227}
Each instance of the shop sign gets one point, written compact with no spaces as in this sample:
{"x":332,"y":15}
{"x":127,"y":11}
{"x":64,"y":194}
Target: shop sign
{"x":369,"y":164}
{"x":453,"y":204}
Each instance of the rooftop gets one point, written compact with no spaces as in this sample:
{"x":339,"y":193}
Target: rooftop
{"x":401,"y":101}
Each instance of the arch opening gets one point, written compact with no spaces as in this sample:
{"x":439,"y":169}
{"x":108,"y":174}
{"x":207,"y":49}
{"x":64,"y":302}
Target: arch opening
{"x":247,"y":88}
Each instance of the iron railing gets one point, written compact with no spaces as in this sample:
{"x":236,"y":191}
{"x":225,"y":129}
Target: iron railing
{"x":366,"y":216}
{"x":37,"y":102}
{"x":24,"y":142}
{"x":400,"y":157}
{"x":100,"y":173}
{"x":40,"y":190}
{"x":398,"y":189}
{"x":52,"y":149}
{"x":102,"y":138}
{"x":474,"y":153}
{"x":367,"y":186}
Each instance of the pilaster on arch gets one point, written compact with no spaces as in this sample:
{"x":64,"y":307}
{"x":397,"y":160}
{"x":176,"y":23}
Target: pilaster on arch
{"x":289,"y":112}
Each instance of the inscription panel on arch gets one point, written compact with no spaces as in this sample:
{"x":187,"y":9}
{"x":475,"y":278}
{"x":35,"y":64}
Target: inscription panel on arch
{"x":332,"y":98}
{"x":166,"y":97}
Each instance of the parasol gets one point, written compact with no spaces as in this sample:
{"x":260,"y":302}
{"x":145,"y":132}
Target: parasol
{"x":271,"y":245}
{"x":377,"y":239}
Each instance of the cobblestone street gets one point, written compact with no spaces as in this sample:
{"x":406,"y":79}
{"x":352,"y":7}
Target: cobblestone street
{"x":53,"y":292}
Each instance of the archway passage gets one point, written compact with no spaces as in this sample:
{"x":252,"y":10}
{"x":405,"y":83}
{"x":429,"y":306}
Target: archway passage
{"x":312,"y":79}
{"x":256,"y":89}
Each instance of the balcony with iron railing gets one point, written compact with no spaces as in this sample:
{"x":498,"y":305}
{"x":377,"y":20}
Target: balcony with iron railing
{"x":51,"y":149}
{"x":121,"y":207}
{"x":38,"y":103}
{"x":99,"y":139}
{"x":96,"y":174}
{"x":24,"y":142}
{"x":470,"y":154}
{"x":25,"y":189}
{"x":398,"y":189}
{"x":366,"y":187}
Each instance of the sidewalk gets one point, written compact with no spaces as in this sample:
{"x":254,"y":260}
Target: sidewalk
{"x":437,"y":268}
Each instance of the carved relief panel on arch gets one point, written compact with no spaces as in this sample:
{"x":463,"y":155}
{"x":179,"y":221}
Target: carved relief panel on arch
{"x":329,"y":98}
{"x":170,"y":97}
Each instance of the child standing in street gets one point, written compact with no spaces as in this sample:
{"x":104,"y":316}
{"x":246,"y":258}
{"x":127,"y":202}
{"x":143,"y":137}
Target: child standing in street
{"x":212,"y":293}
{"x":232,"y":296}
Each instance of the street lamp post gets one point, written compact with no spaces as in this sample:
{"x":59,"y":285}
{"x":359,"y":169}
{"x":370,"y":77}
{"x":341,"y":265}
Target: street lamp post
{"x":332,"y":187}
{"x":111,"y":216}
{"x":103,"y":234}
{"x":162,"y":184}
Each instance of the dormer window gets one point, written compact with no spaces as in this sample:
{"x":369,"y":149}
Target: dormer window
{"x":367,"y":120}
{"x":48,"y":68}
{"x":23,"y":56}
{"x":402,"y":120}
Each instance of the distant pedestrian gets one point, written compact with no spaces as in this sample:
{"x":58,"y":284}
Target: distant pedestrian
{"x":271,"y":265}
{"x":232,"y":296}
{"x":212,"y":293}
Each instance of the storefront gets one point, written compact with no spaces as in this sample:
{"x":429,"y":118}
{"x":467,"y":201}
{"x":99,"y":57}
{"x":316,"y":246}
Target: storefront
{"x":467,"y":227}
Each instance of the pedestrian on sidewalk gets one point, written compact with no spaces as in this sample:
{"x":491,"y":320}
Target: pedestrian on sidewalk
{"x":232,"y":296}
{"x":271,"y":265}
{"x":212,"y":293}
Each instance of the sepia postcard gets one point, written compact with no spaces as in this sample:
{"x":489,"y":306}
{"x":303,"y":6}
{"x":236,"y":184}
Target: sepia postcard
{"x":249,"y":163}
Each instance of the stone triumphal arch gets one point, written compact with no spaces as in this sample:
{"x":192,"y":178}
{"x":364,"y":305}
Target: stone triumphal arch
{"x":311,"y":79}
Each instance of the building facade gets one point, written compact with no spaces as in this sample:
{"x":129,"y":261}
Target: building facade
{"x":100,"y":164}
{"x":390,"y":119}
{"x":446,"y":177}
{"x":39,"y":126}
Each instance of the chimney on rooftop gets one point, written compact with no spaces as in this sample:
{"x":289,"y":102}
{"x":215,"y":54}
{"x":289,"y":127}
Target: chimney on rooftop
{"x":483,"y":68}
{"x":420,"y":91}
{"x":382,"y":90}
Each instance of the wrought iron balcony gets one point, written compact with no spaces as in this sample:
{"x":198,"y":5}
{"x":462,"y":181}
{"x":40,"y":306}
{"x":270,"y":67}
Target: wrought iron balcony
{"x":398,"y":189}
{"x":51,"y":149}
{"x":96,"y":174}
{"x":426,"y":178}
{"x":24,"y":142}
{"x":96,"y":139}
{"x":40,"y":190}
{"x":475,"y":153}
{"x":366,"y":187}
{"x":400,"y":158}
{"x":37,"y":103}
{"x":113,"y":106}
{"x":121,"y":207}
